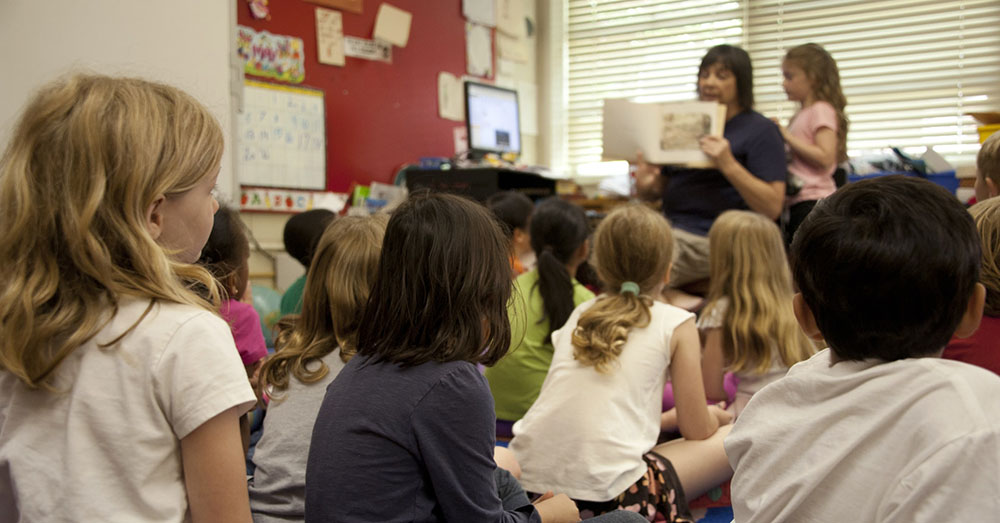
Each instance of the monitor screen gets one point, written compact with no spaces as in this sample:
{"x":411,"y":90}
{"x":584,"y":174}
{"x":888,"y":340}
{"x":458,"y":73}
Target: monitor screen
{"x":492,"y":119}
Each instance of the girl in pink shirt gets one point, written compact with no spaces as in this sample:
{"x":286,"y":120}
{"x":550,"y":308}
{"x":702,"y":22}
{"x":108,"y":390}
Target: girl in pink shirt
{"x":816,"y":136}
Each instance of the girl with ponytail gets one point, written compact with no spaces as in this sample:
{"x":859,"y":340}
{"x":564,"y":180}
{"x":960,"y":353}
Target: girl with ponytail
{"x":542,"y":301}
{"x":593,"y":430}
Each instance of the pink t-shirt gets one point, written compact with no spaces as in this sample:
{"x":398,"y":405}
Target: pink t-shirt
{"x":818,"y":183}
{"x":244,"y":321}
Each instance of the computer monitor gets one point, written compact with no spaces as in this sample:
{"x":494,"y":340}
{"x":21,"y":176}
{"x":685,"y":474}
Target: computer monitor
{"x":491,"y":119}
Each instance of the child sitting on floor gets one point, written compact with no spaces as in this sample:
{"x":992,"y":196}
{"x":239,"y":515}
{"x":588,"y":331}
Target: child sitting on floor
{"x":310,"y":355}
{"x":748,"y":326}
{"x":877,"y":427}
{"x":592,"y":432}
{"x":513,"y":209}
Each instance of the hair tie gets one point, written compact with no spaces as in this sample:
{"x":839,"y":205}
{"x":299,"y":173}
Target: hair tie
{"x":630,"y":286}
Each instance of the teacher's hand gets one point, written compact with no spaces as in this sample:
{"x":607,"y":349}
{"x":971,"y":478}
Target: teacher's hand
{"x":717,"y":148}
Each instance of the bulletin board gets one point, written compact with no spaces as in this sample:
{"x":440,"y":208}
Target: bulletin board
{"x":282,"y":137}
{"x":379,"y":115}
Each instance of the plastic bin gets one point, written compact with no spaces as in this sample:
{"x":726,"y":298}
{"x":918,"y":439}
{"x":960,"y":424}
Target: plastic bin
{"x":945,"y":179}
{"x":986,"y":130}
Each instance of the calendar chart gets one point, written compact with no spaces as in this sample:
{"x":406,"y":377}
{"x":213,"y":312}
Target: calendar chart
{"x":282,"y":137}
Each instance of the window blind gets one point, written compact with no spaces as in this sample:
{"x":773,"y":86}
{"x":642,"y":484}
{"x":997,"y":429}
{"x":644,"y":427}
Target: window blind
{"x":645,"y":49}
{"x":910,"y":69}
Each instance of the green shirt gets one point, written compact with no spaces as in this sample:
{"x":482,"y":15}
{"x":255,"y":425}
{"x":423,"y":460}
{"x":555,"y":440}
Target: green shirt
{"x":516,"y":379}
{"x":291,"y":301}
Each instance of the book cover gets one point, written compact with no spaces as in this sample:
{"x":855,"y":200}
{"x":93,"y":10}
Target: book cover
{"x":667,"y":133}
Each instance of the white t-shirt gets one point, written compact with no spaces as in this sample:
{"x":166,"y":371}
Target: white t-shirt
{"x":587,"y":432}
{"x":106,"y":446}
{"x":749,"y":382}
{"x":907,"y":441}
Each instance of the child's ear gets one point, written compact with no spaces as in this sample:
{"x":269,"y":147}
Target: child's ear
{"x":583,"y":251}
{"x":154,"y":218}
{"x":973,"y":313}
{"x":991,"y":187}
{"x":805,"y":317}
{"x":666,"y":276}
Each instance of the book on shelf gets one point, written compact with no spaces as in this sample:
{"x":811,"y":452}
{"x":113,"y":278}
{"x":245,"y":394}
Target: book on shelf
{"x":666,"y":132}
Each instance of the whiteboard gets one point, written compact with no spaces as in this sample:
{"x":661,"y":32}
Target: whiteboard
{"x":281,"y":137}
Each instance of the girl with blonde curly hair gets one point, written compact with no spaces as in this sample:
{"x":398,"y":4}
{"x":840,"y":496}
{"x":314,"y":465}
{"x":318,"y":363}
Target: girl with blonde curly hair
{"x":592,"y":433}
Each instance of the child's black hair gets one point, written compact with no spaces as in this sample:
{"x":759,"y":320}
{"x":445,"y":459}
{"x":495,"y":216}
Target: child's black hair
{"x":227,"y":248}
{"x":512,"y":208}
{"x":442,"y":286}
{"x":558,"y":229}
{"x":737,"y":61}
{"x":302,"y":232}
{"x":887,"y":267}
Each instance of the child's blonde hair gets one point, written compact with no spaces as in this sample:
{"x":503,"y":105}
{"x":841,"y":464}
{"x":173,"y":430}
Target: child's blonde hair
{"x":750,"y":270}
{"x":987,"y":217}
{"x":339,"y":281}
{"x":821,"y":70}
{"x":632,"y":244}
{"x":87,"y":159}
{"x":988,"y":159}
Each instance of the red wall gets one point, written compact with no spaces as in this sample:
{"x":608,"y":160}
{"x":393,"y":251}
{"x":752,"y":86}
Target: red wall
{"x":378,"y":115}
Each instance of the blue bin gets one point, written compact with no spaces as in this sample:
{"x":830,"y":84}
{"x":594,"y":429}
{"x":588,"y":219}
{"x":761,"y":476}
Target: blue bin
{"x":946,"y":179}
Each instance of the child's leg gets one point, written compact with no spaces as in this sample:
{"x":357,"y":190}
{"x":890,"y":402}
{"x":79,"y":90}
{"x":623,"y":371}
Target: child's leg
{"x":700,"y":465}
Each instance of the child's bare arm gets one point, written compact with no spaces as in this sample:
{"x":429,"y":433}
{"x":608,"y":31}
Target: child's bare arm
{"x":215,"y":472}
{"x":693,"y":418}
{"x":713,"y":365}
{"x":822,"y":154}
{"x":557,"y":509}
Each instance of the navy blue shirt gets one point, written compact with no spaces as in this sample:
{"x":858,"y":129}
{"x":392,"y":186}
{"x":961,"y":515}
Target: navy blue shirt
{"x":394,"y":444}
{"x":693,"y":198}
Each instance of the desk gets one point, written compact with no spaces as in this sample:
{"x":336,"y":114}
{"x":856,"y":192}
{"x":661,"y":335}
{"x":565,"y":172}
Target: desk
{"x":480,"y":182}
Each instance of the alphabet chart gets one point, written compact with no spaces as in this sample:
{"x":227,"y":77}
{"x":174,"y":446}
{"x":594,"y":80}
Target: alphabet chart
{"x":282,"y":137}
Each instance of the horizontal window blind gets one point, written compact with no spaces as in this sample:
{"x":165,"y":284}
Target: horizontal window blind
{"x":910,"y":69}
{"x":646,"y":49}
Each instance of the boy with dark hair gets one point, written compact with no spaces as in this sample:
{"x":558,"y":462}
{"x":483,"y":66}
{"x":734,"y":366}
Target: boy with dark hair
{"x":877,"y":427}
{"x":301,"y":234}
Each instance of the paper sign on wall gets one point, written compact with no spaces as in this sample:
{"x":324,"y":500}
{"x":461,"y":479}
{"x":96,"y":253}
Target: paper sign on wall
{"x":330,"y":36}
{"x":510,"y":18}
{"x":480,"y":11}
{"x":272,"y":56}
{"x":450,"y":99}
{"x":368,"y":49}
{"x":353,"y":6}
{"x":478,"y":50}
{"x":287,"y":200}
{"x":392,"y":25}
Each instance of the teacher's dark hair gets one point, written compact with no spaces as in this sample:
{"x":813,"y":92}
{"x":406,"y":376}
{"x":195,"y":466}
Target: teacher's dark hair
{"x":737,"y":61}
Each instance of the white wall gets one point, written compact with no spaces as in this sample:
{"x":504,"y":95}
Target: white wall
{"x":185,"y":43}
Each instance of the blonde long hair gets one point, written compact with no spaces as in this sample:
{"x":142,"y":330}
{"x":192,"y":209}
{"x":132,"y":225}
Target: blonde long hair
{"x":821,"y":70}
{"x":986,"y":214}
{"x":87,"y":159}
{"x":750,"y":270}
{"x":337,"y":286}
{"x":633,"y":243}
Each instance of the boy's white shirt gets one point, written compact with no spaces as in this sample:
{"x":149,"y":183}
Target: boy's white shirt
{"x":107,"y":446}
{"x":907,"y":441}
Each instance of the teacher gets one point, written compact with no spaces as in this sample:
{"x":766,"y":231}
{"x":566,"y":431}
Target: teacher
{"x":749,"y":168}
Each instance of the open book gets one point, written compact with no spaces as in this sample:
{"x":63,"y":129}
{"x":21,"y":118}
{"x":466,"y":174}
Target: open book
{"x":665,"y":132}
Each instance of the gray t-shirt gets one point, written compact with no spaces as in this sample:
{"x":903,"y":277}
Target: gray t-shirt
{"x":278,"y":488}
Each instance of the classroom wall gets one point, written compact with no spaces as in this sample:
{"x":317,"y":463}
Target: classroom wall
{"x":379,"y":116}
{"x":186,"y":43}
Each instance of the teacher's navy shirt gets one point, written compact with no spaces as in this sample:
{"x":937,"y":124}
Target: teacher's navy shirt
{"x":693,"y":198}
